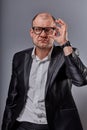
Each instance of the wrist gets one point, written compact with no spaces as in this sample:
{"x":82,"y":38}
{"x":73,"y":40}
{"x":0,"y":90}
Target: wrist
{"x":66,"y":44}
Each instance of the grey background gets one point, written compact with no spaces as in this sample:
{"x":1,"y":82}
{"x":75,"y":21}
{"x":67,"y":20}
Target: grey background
{"x":16,"y":21}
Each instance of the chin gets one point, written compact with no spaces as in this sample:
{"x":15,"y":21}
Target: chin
{"x":46,"y":47}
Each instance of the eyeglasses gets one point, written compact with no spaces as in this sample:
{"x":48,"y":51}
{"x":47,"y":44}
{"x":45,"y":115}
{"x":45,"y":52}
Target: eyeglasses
{"x":47,"y":30}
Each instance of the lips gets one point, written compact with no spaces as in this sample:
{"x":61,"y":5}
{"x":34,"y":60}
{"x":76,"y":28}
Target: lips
{"x":43,"y":40}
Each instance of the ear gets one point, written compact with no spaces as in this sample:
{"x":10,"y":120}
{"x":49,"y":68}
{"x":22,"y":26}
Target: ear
{"x":31,"y":32}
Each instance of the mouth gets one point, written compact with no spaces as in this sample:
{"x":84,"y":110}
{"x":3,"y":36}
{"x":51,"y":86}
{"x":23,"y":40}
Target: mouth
{"x":43,"y":40}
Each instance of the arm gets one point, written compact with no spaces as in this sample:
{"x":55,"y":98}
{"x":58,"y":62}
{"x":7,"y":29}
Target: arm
{"x":12,"y":94}
{"x":76,"y":70}
{"x":74,"y":66}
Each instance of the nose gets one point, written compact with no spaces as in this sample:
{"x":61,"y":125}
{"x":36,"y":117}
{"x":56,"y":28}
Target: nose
{"x":43,"y":33}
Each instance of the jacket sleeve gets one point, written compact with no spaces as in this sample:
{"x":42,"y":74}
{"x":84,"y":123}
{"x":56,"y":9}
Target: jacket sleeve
{"x":75,"y":69}
{"x":10,"y":102}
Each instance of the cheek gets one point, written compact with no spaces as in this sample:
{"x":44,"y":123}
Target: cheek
{"x":51,"y":40}
{"x":35,"y":39}
{"x":33,"y":36}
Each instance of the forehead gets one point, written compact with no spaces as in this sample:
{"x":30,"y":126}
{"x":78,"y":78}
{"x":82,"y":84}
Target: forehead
{"x":43,"y":20}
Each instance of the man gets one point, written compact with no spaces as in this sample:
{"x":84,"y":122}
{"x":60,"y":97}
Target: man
{"x":39,"y":96}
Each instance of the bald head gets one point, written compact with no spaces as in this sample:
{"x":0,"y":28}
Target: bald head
{"x":44,"y":16}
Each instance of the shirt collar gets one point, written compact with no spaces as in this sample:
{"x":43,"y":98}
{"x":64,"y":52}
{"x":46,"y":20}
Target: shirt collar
{"x":37,"y":58}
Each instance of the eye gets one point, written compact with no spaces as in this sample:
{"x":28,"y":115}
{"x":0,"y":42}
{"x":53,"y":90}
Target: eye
{"x":37,"y":29}
{"x":49,"y":30}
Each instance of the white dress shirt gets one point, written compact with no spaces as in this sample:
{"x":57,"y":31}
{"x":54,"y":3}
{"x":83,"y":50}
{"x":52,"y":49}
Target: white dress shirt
{"x":34,"y":110}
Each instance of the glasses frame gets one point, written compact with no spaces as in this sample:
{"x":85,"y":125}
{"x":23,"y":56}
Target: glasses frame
{"x":43,"y":29}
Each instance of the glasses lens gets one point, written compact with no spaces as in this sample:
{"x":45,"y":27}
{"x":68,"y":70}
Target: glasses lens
{"x":49,"y":30}
{"x":37,"y":30}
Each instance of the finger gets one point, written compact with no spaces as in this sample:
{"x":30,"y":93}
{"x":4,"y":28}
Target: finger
{"x":60,"y":22}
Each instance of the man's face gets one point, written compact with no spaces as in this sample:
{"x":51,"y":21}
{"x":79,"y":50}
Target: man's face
{"x":41,"y":31}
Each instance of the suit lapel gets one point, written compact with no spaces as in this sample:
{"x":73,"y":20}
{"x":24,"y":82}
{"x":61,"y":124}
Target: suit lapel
{"x":27,"y":68}
{"x":56,"y":62}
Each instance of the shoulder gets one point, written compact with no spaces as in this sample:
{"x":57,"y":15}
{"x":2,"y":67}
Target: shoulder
{"x":22,"y":53}
{"x":57,"y":48}
{"x":56,"y":51}
{"x":19,"y":57}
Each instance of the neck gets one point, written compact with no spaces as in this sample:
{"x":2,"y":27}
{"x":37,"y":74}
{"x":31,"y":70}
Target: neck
{"x":42,"y":53}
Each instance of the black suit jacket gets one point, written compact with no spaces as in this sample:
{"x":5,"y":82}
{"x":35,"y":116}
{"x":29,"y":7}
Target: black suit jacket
{"x":60,"y":107}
